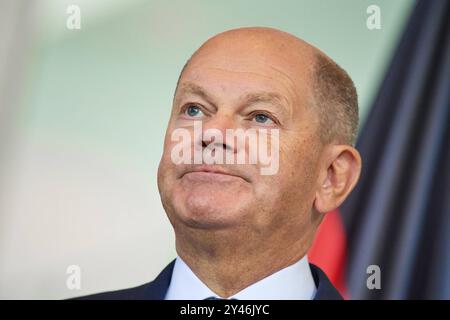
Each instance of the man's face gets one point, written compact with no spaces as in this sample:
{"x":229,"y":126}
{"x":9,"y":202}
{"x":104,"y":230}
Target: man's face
{"x":226,"y":86}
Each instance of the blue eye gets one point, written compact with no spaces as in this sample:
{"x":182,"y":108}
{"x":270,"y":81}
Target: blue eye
{"x":193,"y":111}
{"x":262,"y":118}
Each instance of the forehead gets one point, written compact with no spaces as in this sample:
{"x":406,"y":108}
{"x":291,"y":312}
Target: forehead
{"x":235,"y":80}
{"x":236,"y":65}
{"x":249,"y":82}
{"x":276,"y":57}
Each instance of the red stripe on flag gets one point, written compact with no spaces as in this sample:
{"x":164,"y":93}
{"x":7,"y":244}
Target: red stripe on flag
{"x":329,"y":250}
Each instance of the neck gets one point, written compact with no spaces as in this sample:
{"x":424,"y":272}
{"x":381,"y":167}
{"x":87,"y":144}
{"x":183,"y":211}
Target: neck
{"x":227,"y":262}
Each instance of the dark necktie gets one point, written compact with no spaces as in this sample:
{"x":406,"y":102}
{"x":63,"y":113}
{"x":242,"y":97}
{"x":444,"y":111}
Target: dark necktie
{"x":216,"y":298}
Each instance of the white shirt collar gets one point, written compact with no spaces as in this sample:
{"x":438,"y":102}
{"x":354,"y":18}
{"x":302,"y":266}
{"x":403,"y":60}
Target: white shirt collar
{"x":294,"y":282}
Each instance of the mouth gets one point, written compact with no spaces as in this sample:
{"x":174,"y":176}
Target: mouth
{"x":211,"y":173}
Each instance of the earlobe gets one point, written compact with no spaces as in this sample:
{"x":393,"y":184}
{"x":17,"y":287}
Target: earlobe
{"x":342,"y":167}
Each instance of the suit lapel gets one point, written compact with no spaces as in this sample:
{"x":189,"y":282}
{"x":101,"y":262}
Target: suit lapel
{"x":157,"y":289}
{"x":325,"y":289}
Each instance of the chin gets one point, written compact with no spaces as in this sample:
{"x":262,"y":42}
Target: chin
{"x":208,"y":211}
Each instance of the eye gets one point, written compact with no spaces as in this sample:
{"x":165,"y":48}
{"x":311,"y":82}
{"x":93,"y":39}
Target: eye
{"x":262,"y":118}
{"x":193,"y":111}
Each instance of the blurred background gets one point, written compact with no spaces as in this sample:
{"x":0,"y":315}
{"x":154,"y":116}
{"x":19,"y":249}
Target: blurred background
{"x":83,"y":115}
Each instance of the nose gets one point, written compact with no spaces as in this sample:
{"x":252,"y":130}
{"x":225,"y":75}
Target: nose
{"x":214,"y":132}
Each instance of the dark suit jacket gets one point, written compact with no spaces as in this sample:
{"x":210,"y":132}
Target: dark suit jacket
{"x":157,"y":289}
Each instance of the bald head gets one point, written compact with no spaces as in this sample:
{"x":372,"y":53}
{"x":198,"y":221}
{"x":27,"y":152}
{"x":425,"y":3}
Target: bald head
{"x":315,"y":78}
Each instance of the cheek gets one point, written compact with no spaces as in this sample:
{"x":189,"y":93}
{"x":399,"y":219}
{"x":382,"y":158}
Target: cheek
{"x":167,"y":169}
{"x":297,"y":171}
{"x":171,"y":145}
{"x":286,"y":198}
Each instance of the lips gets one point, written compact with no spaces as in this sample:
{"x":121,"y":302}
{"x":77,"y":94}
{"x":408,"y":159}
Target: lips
{"x":211,"y":173}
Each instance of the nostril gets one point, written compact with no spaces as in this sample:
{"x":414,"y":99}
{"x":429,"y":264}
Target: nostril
{"x":224,"y":145}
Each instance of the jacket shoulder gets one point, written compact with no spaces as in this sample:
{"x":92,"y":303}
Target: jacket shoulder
{"x":123,"y":294}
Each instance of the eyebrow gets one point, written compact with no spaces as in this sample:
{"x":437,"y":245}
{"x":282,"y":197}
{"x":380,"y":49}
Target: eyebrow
{"x":248,"y":99}
{"x":266,"y":97}
{"x":195,"y":89}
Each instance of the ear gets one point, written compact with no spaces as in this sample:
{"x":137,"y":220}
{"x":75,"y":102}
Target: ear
{"x":341,"y":167}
